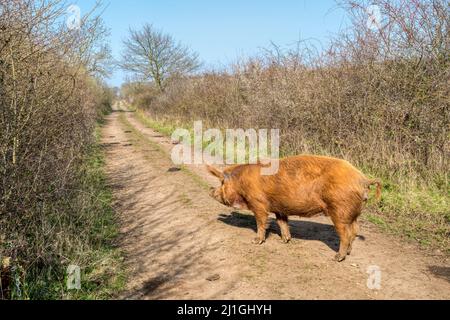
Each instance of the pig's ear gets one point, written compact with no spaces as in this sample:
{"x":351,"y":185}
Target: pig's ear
{"x":215,"y":172}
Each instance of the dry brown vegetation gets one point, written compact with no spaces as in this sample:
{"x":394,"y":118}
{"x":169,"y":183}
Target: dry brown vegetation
{"x":378,"y":97}
{"x":50,"y":100}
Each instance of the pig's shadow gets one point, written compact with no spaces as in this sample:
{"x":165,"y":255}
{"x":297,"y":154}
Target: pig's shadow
{"x":303,"y":230}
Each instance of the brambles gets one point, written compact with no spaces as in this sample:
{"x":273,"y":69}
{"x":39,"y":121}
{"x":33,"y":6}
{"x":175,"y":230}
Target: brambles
{"x":50,"y":99}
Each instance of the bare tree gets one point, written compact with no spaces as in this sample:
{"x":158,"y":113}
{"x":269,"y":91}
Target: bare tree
{"x":154,"y":55}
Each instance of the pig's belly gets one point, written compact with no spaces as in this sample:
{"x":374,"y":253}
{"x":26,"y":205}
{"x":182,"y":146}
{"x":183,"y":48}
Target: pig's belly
{"x":300,"y":209}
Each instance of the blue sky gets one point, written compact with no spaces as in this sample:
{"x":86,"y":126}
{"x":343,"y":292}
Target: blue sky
{"x":222,"y":30}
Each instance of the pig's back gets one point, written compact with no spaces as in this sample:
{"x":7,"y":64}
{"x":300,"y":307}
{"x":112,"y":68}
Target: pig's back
{"x":326,"y":173}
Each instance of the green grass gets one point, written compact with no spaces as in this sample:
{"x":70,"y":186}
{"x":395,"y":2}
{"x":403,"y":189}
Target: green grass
{"x":162,"y":127}
{"x":103,"y":273}
{"x":417,"y":212}
{"x":379,"y":221}
{"x":166,"y":128}
{"x":420,"y":213}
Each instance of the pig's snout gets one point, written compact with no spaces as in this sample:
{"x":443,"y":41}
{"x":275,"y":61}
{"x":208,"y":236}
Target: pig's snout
{"x":216,"y":194}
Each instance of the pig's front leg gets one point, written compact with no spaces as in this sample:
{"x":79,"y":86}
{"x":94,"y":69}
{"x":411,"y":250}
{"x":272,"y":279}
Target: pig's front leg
{"x":282,"y":221}
{"x":261,"y":223}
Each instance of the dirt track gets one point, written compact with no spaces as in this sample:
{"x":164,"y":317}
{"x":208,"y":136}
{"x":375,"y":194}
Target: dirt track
{"x":181,"y":244}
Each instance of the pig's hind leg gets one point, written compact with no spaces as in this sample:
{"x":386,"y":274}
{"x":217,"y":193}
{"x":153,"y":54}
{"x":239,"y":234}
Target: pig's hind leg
{"x":353,"y":227}
{"x":353,"y":233}
{"x":344,"y":231}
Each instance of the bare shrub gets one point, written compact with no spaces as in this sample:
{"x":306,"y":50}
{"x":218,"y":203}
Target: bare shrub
{"x":49,"y":103}
{"x":379,"y":98}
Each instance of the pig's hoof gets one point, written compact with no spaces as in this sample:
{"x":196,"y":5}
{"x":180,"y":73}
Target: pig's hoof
{"x":286,"y":239}
{"x":339,"y":258}
{"x":258,"y":241}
